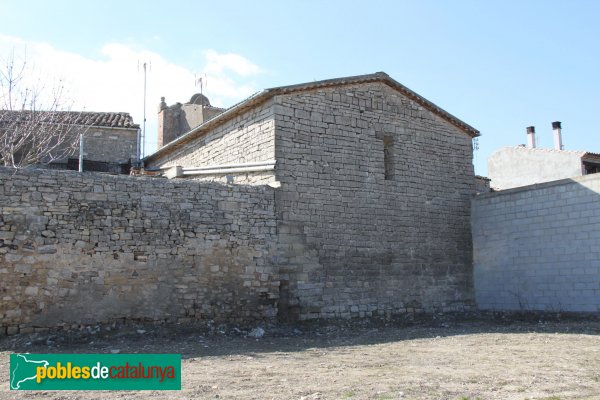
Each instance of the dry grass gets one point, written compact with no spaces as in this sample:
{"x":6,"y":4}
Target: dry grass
{"x":457,"y":360}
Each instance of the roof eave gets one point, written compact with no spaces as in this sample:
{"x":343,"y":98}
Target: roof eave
{"x":266,"y":94}
{"x":228,"y":114}
{"x":385,"y":78}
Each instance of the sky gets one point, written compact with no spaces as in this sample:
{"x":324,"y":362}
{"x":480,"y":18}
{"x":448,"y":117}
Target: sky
{"x":498,"y":65}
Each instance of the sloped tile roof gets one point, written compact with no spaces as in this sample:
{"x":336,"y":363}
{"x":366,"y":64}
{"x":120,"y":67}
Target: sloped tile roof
{"x":109,"y":119}
{"x":100,"y":119}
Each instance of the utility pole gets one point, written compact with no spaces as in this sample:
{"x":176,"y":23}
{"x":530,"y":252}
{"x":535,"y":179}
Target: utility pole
{"x":144,"y":132}
{"x":81,"y":152}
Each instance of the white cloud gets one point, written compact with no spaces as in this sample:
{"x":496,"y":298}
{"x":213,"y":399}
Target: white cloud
{"x":218,"y":63}
{"x":114,"y":82}
{"x":218,"y":81}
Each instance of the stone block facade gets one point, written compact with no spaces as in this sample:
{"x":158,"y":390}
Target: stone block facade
{"x":228,"y":144}
{"x":537,"y":247}
{"x":373,"y":209}
{"x":175,"y":120}
{"x":110,"y":145}
{"x":366,"y":212}
{"x":88,"y":248}
{"x":374,"y":193}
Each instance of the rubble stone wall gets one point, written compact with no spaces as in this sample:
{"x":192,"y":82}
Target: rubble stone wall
{"x":91,"y":248}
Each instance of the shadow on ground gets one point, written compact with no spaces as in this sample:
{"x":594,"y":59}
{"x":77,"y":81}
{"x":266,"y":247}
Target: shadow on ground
{"x":210,"y":340}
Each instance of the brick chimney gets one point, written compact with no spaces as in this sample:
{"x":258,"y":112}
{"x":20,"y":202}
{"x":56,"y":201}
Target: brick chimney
{"x":531,"y":137}
{"x":556,"y":128}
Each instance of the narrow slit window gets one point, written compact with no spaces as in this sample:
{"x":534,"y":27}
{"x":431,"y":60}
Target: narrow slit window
{"x":388,"y":157}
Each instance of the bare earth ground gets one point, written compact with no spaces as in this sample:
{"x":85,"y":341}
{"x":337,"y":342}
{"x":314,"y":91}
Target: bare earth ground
{"x":433,"y":359}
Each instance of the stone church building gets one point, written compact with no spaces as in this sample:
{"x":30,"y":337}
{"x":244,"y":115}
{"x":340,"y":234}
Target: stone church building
{"x":373,"y":186}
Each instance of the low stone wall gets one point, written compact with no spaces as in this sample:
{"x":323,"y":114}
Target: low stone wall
{"x":538,"y":247}
{"x":90,"y":248}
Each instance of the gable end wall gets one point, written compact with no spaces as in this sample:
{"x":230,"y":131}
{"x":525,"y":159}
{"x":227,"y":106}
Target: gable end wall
{"x":352,"y":243}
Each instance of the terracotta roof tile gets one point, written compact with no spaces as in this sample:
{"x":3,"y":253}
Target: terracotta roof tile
{"x":105,"y":119}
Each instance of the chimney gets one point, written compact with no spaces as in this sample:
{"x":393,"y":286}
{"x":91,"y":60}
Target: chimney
{"x":556,"y":128}
{"x":531,"y":137}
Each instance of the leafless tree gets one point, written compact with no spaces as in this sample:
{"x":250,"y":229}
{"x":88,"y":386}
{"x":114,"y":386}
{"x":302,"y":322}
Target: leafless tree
{"x":36,"y":126}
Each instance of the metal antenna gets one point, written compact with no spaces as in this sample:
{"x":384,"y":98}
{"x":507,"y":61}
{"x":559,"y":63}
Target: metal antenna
{"x":146,"y":66}
{"x":201,"y":81}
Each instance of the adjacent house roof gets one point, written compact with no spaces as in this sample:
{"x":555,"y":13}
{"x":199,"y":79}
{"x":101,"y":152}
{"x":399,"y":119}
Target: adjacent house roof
{"x":266,"y":94}
{"x":101,"y":119}
{"x":582,"y":154}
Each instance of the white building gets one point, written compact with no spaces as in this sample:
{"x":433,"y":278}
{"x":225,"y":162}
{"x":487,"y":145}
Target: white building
{"x":510,"y":167}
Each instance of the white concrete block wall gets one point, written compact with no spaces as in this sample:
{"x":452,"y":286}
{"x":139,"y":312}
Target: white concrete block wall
{"x":511,"y":167}
{"x":538,"y":247}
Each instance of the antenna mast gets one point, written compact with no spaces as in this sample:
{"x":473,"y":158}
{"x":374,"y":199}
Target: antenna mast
{"x":146,"y":66}
{"x":144,"y":131}
{"x":201,"y":81}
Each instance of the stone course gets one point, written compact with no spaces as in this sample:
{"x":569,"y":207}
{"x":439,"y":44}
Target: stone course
{"x":229,"y":144}
{"x":370,"y":218}
{"x":111,"y":145}
{"x":90,"y":248}
{"x":352,"y":243}
{"x":537,"y":247}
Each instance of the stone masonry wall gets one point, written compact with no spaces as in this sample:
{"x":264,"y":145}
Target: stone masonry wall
{"x":241,"y":178}
{"x":351,"y":242}
{"x":538,"y":247}
{"x":88,"y":248}
{"x":110,"y":144}
{"x":246,"y":138}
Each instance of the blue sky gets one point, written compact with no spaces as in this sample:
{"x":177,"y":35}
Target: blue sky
{"x":498,"y":65}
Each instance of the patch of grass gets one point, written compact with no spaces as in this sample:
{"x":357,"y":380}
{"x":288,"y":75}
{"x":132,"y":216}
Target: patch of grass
{"x":385,"y":396}
{"x":347,"y":395}
{"x":551,"y":398}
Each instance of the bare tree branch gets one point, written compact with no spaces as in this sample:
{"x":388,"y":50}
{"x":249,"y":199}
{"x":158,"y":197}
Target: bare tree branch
{"x":36,"y":125}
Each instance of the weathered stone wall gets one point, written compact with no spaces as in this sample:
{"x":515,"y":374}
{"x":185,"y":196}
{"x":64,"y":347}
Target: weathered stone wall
{"x":242,"y":178}
{"x":113,"y":145}
{"x":538,"y":247}
{"x":168,"y":124}
{"x":353,"y":243}
{"x":482,"y":184}
{"x":179,"y":119}
{"x":87,"y":248}
{"x":245,"y":138}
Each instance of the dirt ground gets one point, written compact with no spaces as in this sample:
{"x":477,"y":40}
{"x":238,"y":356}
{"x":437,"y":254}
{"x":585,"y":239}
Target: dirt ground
{"x":490,"y":358}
